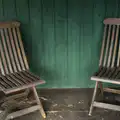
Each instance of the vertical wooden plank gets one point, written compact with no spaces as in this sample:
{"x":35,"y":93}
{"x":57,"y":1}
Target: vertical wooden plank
{"x":9,"y":9}
{"x":86,"y":61}
{"x":103,"y":47}
{"x":1,"y":10}
{"x":111,"y":8}
{"x":74,"y":46}
{"x":61,"y":42}
{"x":36,"y":22}
{"x":97,"y":35}
{"x":49,"y":42}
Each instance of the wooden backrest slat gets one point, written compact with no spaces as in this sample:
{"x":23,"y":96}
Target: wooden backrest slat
{"x":110,"y":50}
{"x":6,"y":55}
{"x":12,"y":54}
{"x":22,"y":48}
{"x":111,"y":46}
{"x":103,"y":46}
{"x":115,"y":46}
{"x":3,"y":59}
{"x":1,"y":67}
{"x":14,"y":48}
{"x":18,"y":48}
{"x":10,"y":50}
{"x":107,"y":46}
{"x":118,"y":58}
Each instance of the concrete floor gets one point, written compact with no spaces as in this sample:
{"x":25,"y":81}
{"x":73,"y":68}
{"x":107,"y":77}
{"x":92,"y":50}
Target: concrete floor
{"x":69,"y":104}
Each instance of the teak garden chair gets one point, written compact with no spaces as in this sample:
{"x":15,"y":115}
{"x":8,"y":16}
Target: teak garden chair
{"x":109,"y":63}
{"x":15,"y":75}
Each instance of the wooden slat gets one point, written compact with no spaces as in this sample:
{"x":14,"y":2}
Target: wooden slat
{"x":118,"y":59}
{"x":10,"y":50}
{"x":14,"y":49}
{"x":115,"y":74}
{"x":18,"y":49}
{"x":111,"y":90}
{"x":15,"y":89}
{"x":29,"y":76}
{"x":103,"y":46}
{"x":7,"y":81}
{"x":106,"y":106}
{"x":112,"y":21}
{"x":102,"y":72}
{"x":35,"y":76}
{"x":12,"y":80}
{"x":111,"y":47}
{"x":25,"y":78}
{"x":107,"y":46}
{"x":106,"y":80}
{"x":3,"y":84}
{"x":23,"y":112}
{"x":22,"y":48}
{"x":16,"y":79}
{"x":115,"y":47}
{"x":9,"y":24}
{"x":105,"y":74}
{"x":98,"y":72}
{"x":2,"y":67}
{"x":3,"y":57}
{"x":113,"y":71}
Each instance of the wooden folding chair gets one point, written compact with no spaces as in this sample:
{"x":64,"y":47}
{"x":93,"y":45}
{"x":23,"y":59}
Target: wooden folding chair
{"x":109,"y":70}
{"x":15,"y":75}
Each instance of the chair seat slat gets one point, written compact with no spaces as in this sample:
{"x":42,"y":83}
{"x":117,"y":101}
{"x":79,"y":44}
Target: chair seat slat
{"x":22,"y":78}
{"x":25,"y":78}
{"x":4,"y":85}
{"x":29,"y":76}
{"x":7,"y":81}
{"x":18,"y":79}
{"x":113,"y":71}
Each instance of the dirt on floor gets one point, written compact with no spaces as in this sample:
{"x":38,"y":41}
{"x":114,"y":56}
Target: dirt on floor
{"x":69,"y":104}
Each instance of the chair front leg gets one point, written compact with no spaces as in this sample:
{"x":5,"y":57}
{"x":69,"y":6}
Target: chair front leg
{"x":39,"y":102}
{"x":93,"y":98}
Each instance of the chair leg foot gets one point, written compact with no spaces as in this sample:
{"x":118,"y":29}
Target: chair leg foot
{"x":39,"y":102}
{"x":93,"y":99}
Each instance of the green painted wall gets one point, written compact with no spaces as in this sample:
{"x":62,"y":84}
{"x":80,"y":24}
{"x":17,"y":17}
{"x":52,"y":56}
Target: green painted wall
{"x":62,"y":37}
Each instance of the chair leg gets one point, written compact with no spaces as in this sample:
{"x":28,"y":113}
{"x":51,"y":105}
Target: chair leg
{"x":93,"y":98}
{"x":101,"y":87}
{"x":39,"y":102}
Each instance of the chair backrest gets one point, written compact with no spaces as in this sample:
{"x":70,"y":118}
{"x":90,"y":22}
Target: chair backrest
{"x":111,"y":44}
{"x":12,"y":54}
